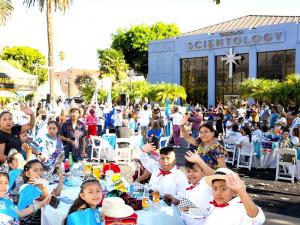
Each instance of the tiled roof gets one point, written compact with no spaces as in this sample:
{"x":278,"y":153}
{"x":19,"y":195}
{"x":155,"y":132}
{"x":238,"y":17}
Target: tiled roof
{"x":250,"y":21}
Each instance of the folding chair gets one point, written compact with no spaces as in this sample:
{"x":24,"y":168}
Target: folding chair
{"x":246,"y":150}
{"x":163,"y":142}
{"x":286,"y":164}
{"x":123,"y":151}
{"x":98,"y":149}
{"x":230,"y":145}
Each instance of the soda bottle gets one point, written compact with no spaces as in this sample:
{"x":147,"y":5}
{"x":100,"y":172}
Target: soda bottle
{"x":70,"y":159}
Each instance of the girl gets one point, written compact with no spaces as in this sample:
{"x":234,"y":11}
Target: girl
{"x":50,"y":145}
{"x":85,"y":206}
{"x":16,"y":164}
{"x":154,"y":134}
{"x":34,"y":190}
{"x":247,"y":137}
{"x":8,"y":212}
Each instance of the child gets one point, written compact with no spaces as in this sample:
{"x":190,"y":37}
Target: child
{"x":34,"y":191}
{"x":195,"y":205}
{"x":85,"y":206}
{"x":232,"y":205}
{"x":8,"y":212}
{"x":16,"y":164}
{"x":168,"y":179}
{"x":154,"y":134}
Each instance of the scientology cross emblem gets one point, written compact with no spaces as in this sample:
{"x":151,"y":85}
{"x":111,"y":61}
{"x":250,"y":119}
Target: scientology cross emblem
{"x":230,"y":59}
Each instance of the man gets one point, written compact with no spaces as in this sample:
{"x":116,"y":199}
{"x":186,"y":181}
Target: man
{"x":176,"y":117}
{"x":168,"y":179}
{"x":118,"y":120}
{"x":144,"y":119}
{"x":196,"y":118}
{"x":73,"y":134}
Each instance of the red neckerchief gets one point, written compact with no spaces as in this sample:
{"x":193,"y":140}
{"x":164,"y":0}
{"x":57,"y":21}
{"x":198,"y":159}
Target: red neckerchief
{"x":215,"y":204}
{"x":192,"y":187}
{"x":163,"y":172}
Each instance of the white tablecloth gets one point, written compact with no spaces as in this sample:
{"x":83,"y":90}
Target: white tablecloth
{"x":158,"y":216}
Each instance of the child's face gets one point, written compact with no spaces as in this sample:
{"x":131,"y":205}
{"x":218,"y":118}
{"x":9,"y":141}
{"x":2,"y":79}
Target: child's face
{"x":167,"y":162}
{"x":92,"y":194}
{"x":221,"y":193}
{"x":3,"y":185}
{"x":35,"y":172}
{"x":18,"y":162}
{"x":52,"y":130}
{"x":194,"y":175}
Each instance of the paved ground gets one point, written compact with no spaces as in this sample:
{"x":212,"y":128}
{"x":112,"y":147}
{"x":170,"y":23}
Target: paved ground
{"x":280,"y":200}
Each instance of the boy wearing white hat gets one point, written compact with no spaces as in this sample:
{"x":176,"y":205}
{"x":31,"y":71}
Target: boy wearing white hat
{"x":232,"y":205}
{"x":168,"y":179}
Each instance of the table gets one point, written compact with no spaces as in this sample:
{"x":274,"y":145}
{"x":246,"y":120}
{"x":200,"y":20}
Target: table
{"x":158,"y":216}
{"x":265,"y":154}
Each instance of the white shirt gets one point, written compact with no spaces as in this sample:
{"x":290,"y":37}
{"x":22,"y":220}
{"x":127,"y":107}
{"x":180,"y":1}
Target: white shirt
{"x":144,"y":118}
{"x":242,"y":139}
{"x":233,"y":214}
{"x":174,"y":183}
{"x":258,"y":133}
{"x":200,"y":196}
{"x":176,"y":118}
{"x":234,"y":134}
{"x":296,"y":123}
{"x":118,"y":119}
{"x":148,"y":162}
{"x":228,"y":124}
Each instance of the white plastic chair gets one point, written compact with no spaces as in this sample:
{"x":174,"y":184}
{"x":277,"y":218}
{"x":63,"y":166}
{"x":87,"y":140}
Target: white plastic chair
{"x":163,"y":141}
{"x":123,"y":154}
{"x":230,"y":145}
{"x":286,"y":164}
{"x":245,"y":150}
{"x":98,"y":149}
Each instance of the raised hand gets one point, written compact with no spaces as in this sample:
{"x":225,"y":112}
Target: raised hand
{"x":192,"y":157}
{"x":149,"y":147}
{"x":184,"y":120}
{"x":235,"y":183}
{"x":26,"y":109}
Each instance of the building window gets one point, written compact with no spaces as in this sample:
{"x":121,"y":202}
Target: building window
{"x":229,"y":88}
{"x":194,"y":73}
{"x":276,"y":64}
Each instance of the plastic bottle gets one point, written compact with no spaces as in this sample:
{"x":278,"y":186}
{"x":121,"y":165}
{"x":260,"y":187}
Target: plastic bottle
{"x":67,"y":166}
{"x":70,"y":159}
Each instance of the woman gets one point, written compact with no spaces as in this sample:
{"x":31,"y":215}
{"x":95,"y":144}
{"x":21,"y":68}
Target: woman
{"x":246,"y":137}
{"x":10,"y":133}
{"x":91,"y":121}
{"x":210,"y":150}
{"x":282,"y":119}
{"x":219,"y":122}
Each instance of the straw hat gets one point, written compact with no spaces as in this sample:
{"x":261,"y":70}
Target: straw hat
{"x":220,"y":174}
{"x":115,"y":207}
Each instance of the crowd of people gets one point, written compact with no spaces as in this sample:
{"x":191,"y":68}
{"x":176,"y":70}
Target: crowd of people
{"x":35,"y":141}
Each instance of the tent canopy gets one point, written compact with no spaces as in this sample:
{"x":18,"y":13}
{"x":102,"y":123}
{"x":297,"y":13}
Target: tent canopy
{"x":15,"y":79}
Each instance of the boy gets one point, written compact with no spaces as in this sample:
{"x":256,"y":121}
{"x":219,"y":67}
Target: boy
{"x":168,"y":179}
{"x":195,"y":206}
{"x":232,"y":205}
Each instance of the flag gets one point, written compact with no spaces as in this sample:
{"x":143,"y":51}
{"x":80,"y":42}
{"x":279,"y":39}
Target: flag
{"x":94,"y":100}
{"x":167,"y":113}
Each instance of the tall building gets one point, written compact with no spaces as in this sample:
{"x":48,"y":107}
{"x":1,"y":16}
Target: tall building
{"x":67,"y":78}
{"x":212,"y":62}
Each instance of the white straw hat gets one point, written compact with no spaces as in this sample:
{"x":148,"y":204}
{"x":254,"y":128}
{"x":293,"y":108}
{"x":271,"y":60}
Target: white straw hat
{"x":115,"y":207}
{"x":220,"y":174}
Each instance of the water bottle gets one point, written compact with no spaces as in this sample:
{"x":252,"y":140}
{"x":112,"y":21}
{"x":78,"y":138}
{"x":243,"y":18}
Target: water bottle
{"x":70,"y":159}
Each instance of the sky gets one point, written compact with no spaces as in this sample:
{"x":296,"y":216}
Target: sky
{"x":89,"y":24}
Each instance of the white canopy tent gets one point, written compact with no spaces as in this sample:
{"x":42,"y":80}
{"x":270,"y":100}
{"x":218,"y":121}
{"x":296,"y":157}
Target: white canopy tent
{"x":12,"y":79}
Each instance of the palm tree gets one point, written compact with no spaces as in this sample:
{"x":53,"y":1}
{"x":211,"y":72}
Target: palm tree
{"x":50,"y":5}
{"x":6,"y":10}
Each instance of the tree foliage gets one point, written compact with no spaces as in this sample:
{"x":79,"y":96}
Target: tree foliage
{"x":84,"y":80}
{"x":27,"y":59}
{"x":112,"y":64}
{"x":273,"y":91}
{"x":6,"y":10}
{"x":133,"y":43}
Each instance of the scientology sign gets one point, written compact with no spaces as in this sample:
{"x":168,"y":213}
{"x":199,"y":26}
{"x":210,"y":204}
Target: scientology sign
{"x":238,"y":39}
